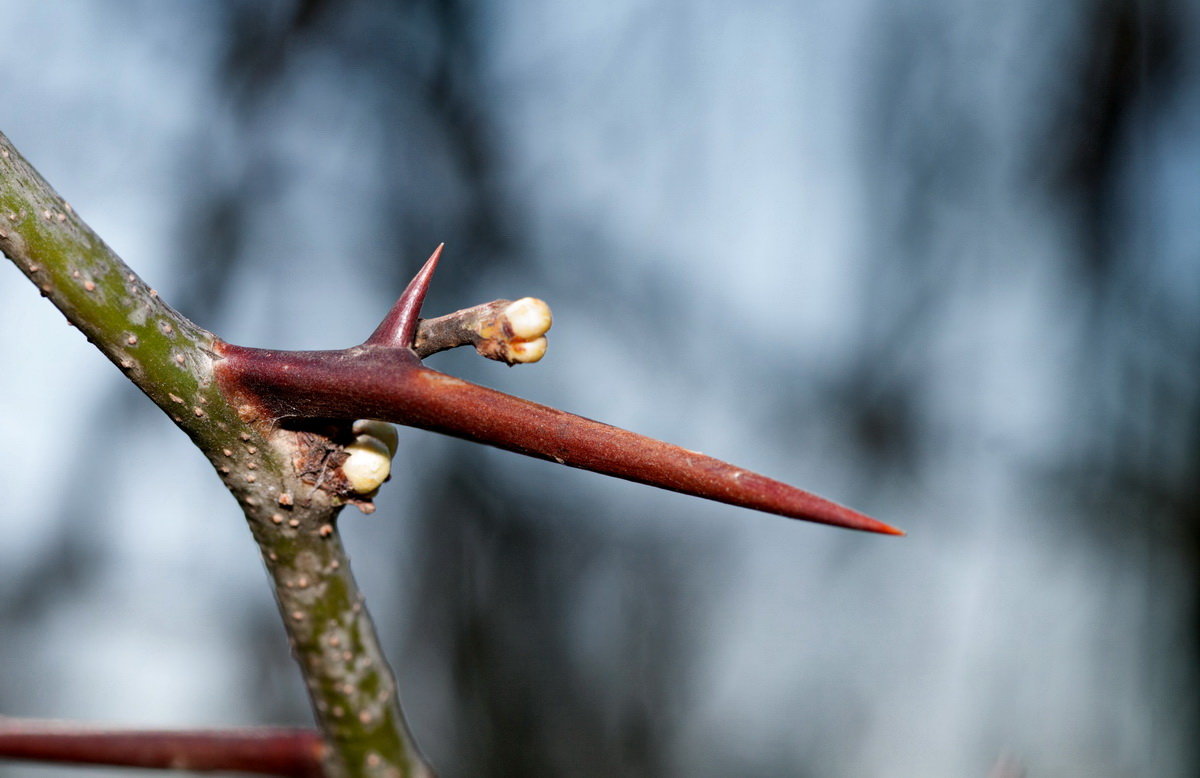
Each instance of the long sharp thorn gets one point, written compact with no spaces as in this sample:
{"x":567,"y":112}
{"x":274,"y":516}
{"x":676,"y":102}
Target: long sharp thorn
{"x":440,"y":403}
{"x":399,"y":327}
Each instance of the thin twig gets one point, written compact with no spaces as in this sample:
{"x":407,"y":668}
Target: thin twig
{"x":461,"y":328}
{"x":296,"y":753}
{"x":503,"y":330}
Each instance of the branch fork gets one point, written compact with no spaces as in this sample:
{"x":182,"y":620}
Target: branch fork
{"x":383,"y":379}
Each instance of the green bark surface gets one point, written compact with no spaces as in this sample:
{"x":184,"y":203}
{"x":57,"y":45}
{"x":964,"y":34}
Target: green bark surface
{"x":352,"y":689}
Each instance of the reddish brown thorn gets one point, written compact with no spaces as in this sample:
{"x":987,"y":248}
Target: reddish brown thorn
{"x":443,"y":404}
{"x":375,"y":384}
{"x":399,"y":327}
{"x":287,"y":752}
{"x":388,"y":383}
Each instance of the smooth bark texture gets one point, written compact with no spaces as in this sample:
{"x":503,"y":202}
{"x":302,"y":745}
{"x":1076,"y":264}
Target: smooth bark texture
{"x":296,"y":753}
{"x":391,"y":385}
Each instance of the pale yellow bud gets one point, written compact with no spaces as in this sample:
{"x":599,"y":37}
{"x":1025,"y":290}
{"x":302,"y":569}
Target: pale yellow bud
{"x":381,"y":430}
{"x":529,"y":318}
{"x":368,"y":465}
{"x":526,"y":350}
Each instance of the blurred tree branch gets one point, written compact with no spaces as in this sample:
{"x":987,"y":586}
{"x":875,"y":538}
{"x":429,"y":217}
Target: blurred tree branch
{"x":296,"y":753}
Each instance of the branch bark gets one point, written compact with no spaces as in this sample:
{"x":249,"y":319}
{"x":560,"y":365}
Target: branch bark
{"x":350,"y":685}
{"x":296,"y":753}
{"x":503,"y":330}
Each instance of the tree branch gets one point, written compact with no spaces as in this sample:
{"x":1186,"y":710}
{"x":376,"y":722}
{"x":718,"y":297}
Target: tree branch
{"x":277,"y":426}
{"x":506,"y":331}
{"x":351,"y":688}
{"x":385,"y":380}
{"x":296,"y":753}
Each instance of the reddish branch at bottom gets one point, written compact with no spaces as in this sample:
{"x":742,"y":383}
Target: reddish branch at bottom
{"x":288,"y":752}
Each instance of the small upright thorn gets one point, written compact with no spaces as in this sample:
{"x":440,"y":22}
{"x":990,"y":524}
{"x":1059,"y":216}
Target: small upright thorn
{"x":399,"y":327}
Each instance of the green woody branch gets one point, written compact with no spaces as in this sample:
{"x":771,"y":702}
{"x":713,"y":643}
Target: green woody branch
{"x":171,"y":359}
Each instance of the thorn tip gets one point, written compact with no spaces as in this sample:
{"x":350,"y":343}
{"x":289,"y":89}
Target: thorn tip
{"x":436,"y":402}
{"x":399,"y":327}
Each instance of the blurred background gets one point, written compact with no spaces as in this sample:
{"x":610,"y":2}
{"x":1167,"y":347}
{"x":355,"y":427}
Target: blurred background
{"x":935,"y":260}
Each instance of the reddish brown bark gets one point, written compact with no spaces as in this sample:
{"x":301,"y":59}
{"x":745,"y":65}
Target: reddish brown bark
{"x":287,"y":752}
